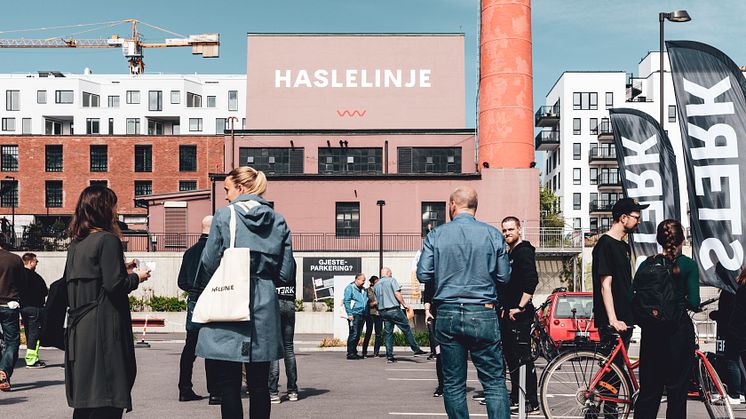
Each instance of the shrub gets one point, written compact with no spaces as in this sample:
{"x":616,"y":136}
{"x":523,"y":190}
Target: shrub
{"x":136,"y":304}
{"x":298,"y":305}
{"x":167,"y":304}
{"x":422,"y":339}
{"x":332,"y":343}
{"x":329,"y":304}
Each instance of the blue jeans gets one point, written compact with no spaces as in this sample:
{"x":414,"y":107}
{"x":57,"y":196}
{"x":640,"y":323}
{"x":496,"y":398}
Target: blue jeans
{"x":287,"y":328}
{"x":11,"y":339}
{"x":463,"y":329}
{"x":391,"y":317}
{"x":356,"y":327}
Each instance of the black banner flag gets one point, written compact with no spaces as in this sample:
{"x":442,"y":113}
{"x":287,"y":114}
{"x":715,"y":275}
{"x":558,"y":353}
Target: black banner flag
{"x":647,"y":167}
{"x":711,"y":99}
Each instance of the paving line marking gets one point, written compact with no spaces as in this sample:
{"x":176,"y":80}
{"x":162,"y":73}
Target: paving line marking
{"x":421,"y":379}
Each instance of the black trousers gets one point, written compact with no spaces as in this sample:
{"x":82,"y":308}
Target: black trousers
{"x":434,"y":350}
{"x":517,"y":348}
{"x":373,"y":322}
{"x":224,"y":379}
{"x":666,"y":360}
{"x":187,"y":361}
{"x":98,"y":413}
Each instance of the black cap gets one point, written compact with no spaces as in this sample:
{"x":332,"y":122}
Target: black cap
{"x":626,"y":206}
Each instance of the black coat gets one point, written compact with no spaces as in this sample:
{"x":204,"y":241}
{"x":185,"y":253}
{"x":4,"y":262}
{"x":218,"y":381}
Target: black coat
{"x":189,"y":266}
{"x":100,"y":364}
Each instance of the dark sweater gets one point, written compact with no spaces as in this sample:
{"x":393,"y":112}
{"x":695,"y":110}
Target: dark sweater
{"x":11,"y":276}
{"x":34,"y":290}
{"x":523,"y":278}
{"x":189,"y":266}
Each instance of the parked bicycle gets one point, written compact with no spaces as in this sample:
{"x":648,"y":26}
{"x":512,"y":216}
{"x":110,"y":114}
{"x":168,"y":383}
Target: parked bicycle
{"x":541,"y":343}
{"x":587,"y":383}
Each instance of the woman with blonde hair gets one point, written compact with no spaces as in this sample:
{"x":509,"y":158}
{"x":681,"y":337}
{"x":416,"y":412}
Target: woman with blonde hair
{"x":255,"y":343}
{"x":100,"y":364}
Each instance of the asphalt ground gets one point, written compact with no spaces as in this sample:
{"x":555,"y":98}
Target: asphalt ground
{"x":330,"y":387}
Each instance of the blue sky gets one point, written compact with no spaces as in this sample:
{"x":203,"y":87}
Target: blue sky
{"x":567,"y":34}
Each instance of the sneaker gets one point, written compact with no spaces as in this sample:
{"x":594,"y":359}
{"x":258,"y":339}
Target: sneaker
{"x":292,"y":397}
{"x":275,"y":399}
{"x":438,"y":392}
{"x":431,"y":356}
{"x":742,"y":398}
{"x":530,"y":407}
{"x":390,"y":360}
{"x":478,"y":397}
{"x":420,"y":352}
{"x":734,"y":401}
{"x":354,"y":357}
{"x":37,"y":365}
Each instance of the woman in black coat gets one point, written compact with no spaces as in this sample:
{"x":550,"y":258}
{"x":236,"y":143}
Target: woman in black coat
{"x":100,"y":356}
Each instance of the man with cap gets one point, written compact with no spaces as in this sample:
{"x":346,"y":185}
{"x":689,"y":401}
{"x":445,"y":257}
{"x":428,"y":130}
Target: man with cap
{"x":612,"y":272}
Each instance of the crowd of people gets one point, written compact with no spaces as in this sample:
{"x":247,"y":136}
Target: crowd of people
{"x":478,"y":287}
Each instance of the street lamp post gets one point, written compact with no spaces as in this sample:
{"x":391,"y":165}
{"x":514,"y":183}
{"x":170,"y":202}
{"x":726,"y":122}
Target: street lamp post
{"x":233,"y":120}
{"x":380,"y":204}
{"x":13,"y":210}
{"x":675,"y":16}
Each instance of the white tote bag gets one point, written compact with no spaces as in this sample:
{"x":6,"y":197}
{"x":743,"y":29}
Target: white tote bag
{"x":227,"y":296}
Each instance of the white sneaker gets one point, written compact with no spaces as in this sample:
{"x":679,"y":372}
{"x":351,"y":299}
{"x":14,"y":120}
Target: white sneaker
{"x":742,"y":398}
{"x":274,"y":399}
{"x":733,"y":401}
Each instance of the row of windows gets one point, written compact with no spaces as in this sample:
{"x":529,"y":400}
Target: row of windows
{"x":53,"y":191}
{"x":607,"y":176}
{"x":584,"y":101}
{"x":347,"y":215}
{"x":594,"y":127}
{"x":346,"y":160}
{"x":93,"y":126}
{"x":99,"y":158}
{"x":92,"y":100}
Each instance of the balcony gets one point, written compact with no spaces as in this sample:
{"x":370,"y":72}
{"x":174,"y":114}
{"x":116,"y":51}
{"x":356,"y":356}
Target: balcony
{"x":609,"y":181}
{"x":602,"y":155}
{"x":605,"y":134}
{"x":601,"y":206}
{"x":547,"y":116}
{"x":547,"y":140}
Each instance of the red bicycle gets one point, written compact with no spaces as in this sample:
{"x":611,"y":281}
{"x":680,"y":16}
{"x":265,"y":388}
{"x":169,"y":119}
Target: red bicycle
{"x":589,"y":384}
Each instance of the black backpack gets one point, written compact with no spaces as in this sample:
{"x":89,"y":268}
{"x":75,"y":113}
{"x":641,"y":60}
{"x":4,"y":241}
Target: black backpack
{"x":656,"y":302}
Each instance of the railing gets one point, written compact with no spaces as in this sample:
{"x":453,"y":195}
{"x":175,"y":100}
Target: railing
{"x":546,"y":112}
{"x":609,"y":180}
{"x":158,"y":242}
{"x":602,"y":153}
{"x":601,"y":205}
{"x":544,"y":138}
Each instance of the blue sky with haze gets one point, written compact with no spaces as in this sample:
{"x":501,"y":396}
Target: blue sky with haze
{"x":567,"y":34}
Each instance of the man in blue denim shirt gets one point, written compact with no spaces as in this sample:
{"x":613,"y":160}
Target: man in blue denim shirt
{"x":390,"y":301}
{"x":466,"y":259}
{"x":356,"y":307}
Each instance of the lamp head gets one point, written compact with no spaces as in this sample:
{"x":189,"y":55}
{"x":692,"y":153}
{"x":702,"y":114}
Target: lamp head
{"x":677,"y":16}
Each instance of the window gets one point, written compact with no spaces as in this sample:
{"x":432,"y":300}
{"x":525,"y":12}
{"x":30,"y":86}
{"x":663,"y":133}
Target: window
{"x":609,"y":176}
{"x":594,"y":126}
{"x":576,"y":126}
{"x":143,"y":158}
{"x":9,"y":158}
{"x":609,"y":100}
{"x":594,"y":176}
{"x":593,"y":198}
{"x":233,"y":100}
{"x":63,"y":96}
{"x":143,"y":187}
{"x":187,"y":158}
{"x":104,"y":183}
{"x":53,"y":157}
{"x":155,"y":127}
{"x":53,"y":193}
{"x":111,"y":126}
{"x":605,"y":126}
{"x":41,"y":97}
{"x":90,"y":100}
{"x":584,"y":101}
{"x":133,"y":97}
{"x":559,"y":180}
{"x":9,"y":124}
{"x":576,"y":201}
{"x":671,"y":113}
{"x":594,"y":225}
{"x":219,"y":125}
{"x":187,"y":185}
{"x":433,"y":215}
{"x":26,"y":126}
{"x":195,"y":124}
{"x":429,"y":160}
{"x":576,"y":223}
{"x":211,"y":101}
{"x":272,"y":160}
{"x":12,"y":100}
{"x":194,"y":100}
{"x":92,"y":126}
{"x":9,"y":197}
{"x":155,"y":100}
{"x":576,"y":151}
{"x":334,"y":161}
{"x":133,"y":126}
{"x":113,"y":101}
{"x":576,"y":173}
{"x":175,"y":97}
{"x":348,"y":219}
{"x":99,"y":158}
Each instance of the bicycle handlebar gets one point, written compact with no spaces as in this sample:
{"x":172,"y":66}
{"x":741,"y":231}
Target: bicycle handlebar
{"x":708,"y":302}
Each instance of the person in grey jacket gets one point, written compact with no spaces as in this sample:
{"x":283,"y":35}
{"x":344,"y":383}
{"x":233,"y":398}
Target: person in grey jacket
{"x":225,"y":346}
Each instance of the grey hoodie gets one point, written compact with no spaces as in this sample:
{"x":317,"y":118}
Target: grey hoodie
{"x":268,"y":236}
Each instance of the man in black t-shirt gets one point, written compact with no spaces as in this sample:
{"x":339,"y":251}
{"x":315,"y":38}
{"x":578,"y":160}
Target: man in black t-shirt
{"x":33,"y":296}
{"x":612,"y":271}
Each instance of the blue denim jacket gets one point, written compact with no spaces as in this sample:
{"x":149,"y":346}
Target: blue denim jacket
{"x":359,"y":296}
{"x":465,"y":259}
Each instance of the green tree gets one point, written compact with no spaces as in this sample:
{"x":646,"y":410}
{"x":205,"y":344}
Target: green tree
{"x":548,"y":203}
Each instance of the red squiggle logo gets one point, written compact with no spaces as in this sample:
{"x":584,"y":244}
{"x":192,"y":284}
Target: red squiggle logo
{"x":351,"y":114}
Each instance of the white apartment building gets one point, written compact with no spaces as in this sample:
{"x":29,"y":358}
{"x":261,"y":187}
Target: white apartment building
{"x":580,"y":160}
{"x":53,"y":103}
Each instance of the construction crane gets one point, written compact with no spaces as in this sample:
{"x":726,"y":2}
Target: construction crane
{"x":206,"y":45}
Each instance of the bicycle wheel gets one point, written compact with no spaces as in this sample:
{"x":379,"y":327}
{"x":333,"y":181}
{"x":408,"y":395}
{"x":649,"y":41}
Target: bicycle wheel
{"x":564,"y":388}
{"x":712,"y":391}
{"x":535,"y":350}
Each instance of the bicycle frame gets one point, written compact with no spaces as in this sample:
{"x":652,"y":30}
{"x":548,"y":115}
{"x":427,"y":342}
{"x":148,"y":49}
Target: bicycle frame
{"x":619,"y":348}
{"x":710,"y":370}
